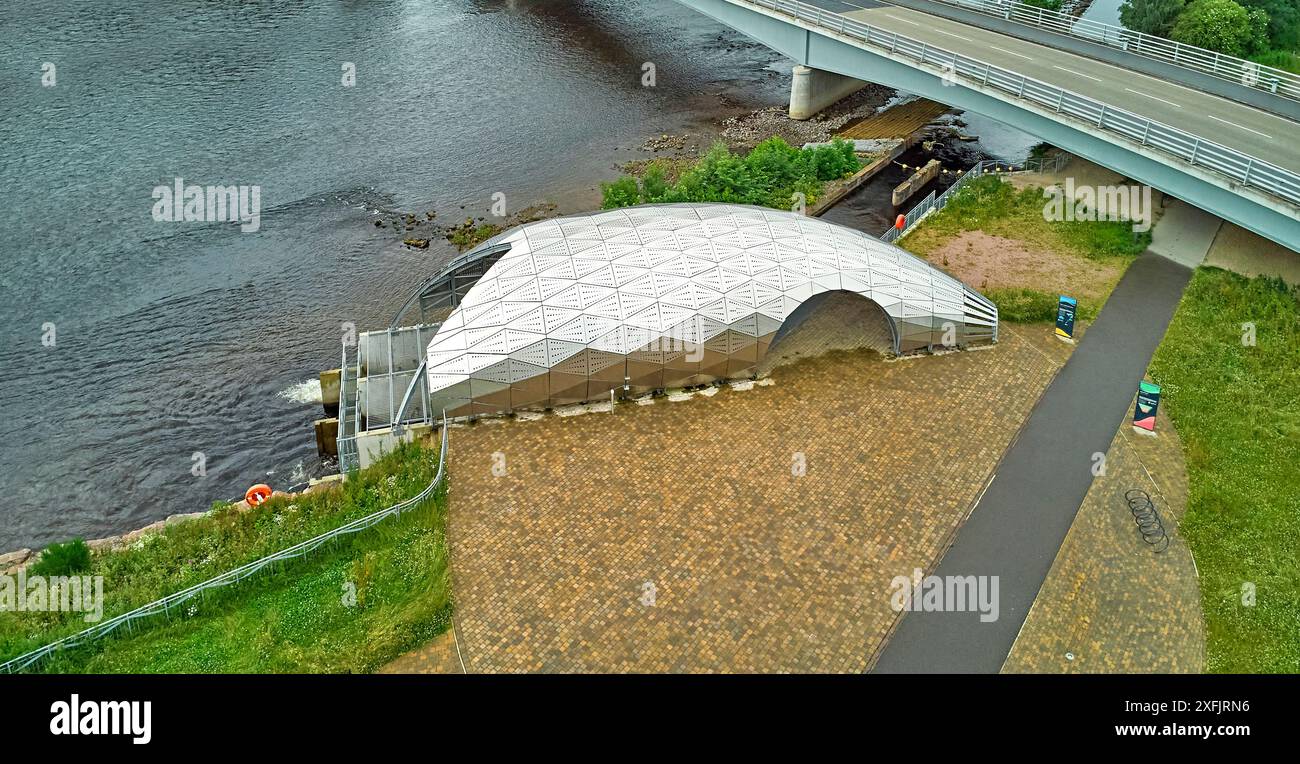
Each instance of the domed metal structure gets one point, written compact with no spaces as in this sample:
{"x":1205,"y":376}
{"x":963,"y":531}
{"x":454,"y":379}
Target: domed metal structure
{"x":661,"y":296}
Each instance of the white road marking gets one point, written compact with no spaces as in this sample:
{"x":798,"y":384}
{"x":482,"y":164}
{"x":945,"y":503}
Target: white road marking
{"x":1240,"y":127}
{"x":905,"y":21}
{"x":950,"y":34}
{"x":1153,"y":98}
{"x":983,"y":491}
{"x":1012,"y":52}
{"x":1077,"y":74}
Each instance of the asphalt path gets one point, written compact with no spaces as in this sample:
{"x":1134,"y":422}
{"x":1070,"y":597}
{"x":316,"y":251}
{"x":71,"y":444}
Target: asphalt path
{"x":1021,"y":519}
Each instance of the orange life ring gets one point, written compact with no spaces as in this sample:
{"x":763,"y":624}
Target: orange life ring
{"x":900,"y":222}
{"x":257,"y":494}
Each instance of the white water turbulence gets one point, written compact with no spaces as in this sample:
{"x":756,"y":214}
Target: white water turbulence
{"x":307,"y":391}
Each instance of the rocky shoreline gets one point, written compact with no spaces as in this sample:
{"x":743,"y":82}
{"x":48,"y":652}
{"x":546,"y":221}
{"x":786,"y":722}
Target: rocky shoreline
{"x":740,"y":133}
{"x":745,"y":132}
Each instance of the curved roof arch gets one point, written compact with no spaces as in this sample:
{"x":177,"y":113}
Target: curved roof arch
{"x":669,"y":295}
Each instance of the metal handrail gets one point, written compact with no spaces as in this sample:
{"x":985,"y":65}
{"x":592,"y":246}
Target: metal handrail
{"x":416,"y":378}
{"x":931,"y":203}
{"x":165,"y":604}
{"x":348,"y":430}
{"x":1196,"y":151}
{"x":486,"y":249}
{"x":1231,"y":68}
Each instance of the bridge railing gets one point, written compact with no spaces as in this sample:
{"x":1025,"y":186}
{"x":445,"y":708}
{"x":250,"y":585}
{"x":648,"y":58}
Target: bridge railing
{"x":1225,"y":67}
{"x":1196,"y":151}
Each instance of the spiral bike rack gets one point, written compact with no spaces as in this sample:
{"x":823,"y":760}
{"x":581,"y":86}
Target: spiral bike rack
{"x":1148,"y":519}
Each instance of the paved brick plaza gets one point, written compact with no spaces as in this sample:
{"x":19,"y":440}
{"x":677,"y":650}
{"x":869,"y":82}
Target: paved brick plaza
{"x":675,"y":536}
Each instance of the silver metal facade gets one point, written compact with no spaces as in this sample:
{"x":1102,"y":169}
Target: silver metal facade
{"x":674,"y":295}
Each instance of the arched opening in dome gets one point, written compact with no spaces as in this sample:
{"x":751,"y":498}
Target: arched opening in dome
{"x":836,"y":319}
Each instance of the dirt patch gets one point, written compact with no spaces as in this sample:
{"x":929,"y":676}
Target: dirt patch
{"x":1249,"y":254}
{"x":990,"y":262}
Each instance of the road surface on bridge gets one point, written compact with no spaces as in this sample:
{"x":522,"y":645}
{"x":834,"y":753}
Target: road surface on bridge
{"x":1254,"y":132}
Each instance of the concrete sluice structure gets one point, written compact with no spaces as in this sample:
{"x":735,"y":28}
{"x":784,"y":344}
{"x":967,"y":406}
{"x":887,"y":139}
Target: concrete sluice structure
{"x":630,"y":301}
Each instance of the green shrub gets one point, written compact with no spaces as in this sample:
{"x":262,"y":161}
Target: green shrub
{"x":770,"y":175}
{"x":1279,"y":59}
{"x":835,"y":161}
{"x":621,"y":193}
{"x":654,"y":188}
{"x":1023,"y":305}
{"x":63,"y":559}
{"x":1041,"y":150}
{"x":1283,"y":32}
{"x":719,"y":177}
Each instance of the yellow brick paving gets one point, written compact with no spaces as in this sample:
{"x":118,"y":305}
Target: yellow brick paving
{"x":437,"y":657}
{"x":676,"y":537}
{"x":1110,"y":604}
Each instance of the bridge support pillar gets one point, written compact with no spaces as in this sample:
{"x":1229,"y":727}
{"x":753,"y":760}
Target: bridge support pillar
{"x":814,"y":90}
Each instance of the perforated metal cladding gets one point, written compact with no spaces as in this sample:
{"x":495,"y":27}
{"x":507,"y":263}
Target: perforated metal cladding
{"x":669,"y":295}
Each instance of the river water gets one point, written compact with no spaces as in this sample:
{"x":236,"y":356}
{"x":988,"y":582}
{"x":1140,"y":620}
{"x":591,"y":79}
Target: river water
{"x":176,"y":345}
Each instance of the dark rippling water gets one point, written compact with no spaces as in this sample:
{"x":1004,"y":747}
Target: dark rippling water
{"x":174,"y":338}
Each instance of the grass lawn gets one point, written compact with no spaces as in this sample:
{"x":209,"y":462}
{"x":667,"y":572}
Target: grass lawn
{"x":1237,"y":410}
{"x":996,"y":239}
{"x":352,"y":606}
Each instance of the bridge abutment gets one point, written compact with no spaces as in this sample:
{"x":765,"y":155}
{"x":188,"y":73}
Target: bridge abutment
{"x":813,"y":90}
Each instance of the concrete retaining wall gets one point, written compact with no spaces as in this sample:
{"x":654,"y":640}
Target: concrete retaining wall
{"x":908,"y":188}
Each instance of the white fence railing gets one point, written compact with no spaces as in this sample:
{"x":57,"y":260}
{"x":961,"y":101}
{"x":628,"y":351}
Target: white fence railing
{"x":1225,"y":67}
{"x":1097,"y":116}
{"x":164,"y":606}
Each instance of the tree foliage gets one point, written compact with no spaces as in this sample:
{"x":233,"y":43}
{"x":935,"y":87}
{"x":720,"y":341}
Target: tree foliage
{"x":1283,"y":22}
{"x":1219,"y":25}
{"x":1153,"y":17}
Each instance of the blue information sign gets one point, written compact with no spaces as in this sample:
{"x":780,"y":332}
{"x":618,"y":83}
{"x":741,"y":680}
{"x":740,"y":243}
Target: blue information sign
{"x":1065,"y":308}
